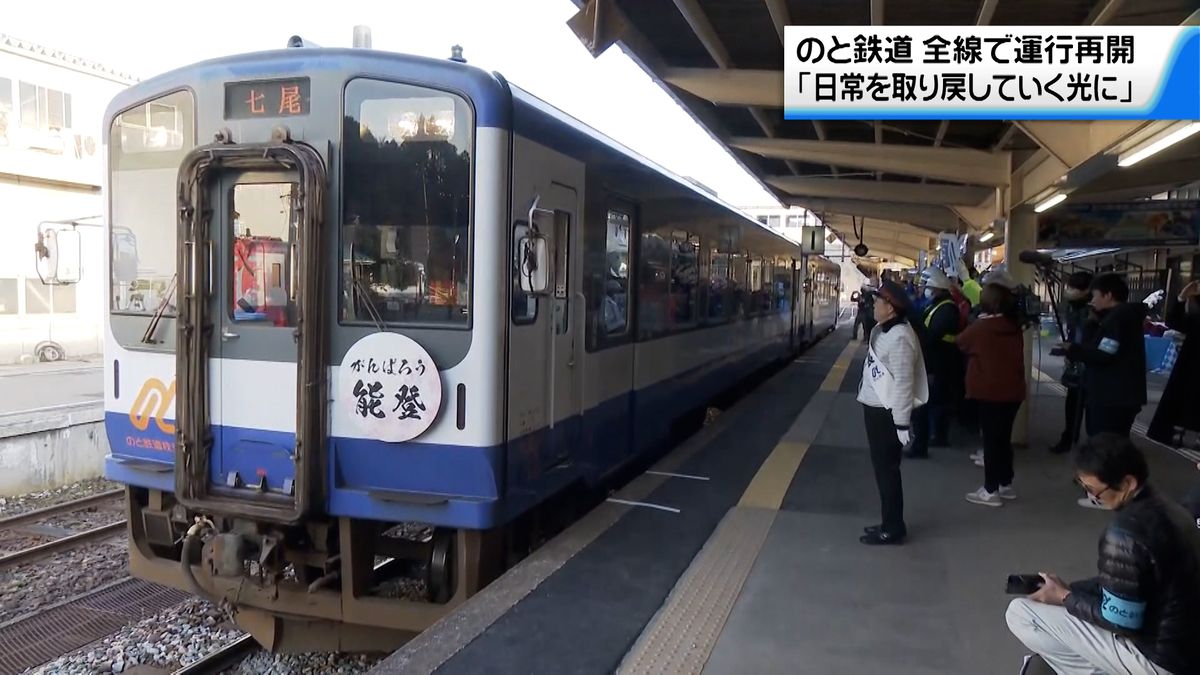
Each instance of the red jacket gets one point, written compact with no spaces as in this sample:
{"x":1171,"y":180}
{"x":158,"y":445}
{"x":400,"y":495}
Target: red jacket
{"x":995,"y":350}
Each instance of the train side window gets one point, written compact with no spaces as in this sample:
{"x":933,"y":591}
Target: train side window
{"x":739,"y":279}
{"x":720,"y":294}
{"x":615,"y":303}
{"x":685,"y":280}
{"x":524,"y":305}
{"x":654,"y":270}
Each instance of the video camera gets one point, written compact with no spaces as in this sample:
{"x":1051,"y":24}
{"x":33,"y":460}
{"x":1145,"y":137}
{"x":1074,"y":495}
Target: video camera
{"x":1031,"y":306}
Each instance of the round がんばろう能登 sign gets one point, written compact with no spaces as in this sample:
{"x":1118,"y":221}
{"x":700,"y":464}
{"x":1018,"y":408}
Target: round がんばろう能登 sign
{"x":388,"y":388}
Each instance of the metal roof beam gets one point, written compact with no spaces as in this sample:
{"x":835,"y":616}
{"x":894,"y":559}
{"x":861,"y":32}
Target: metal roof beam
{"x":642,"y":52}
{"x":1103,"y":12}
{"x":960,"y":165}
{"x":781,"y":18}
{"x":732,"y":87}
{"x":704,"y":31}
{"x":935,"y":218}
{"x":987,"y":9}
{"x":884,"y":191}
{"x":877,"y":12}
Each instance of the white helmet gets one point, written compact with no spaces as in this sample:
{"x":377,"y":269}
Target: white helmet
{"x":935,"y":278}
{"x":1000,"y":277}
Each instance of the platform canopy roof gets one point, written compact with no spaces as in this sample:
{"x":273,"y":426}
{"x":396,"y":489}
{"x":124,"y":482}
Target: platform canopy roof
{"x":722,"y":61}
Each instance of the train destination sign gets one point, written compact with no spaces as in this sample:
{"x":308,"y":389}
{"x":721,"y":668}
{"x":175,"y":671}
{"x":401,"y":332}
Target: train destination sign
{"x":267,"y":98}
{"x":388,"y":388}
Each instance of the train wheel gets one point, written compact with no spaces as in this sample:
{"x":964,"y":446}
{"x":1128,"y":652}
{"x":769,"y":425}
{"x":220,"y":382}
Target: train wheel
{"x":439,"y":575}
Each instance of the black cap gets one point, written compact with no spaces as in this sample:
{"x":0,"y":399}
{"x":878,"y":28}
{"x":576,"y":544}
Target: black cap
{"x":895,"y":296}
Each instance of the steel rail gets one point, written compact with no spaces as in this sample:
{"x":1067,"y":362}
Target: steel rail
{"x":49,"y":547}
{"x":219,"y":660}
{"x":55,"y":509}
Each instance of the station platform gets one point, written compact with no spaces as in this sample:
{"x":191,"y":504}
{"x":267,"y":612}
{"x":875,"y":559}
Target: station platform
{"x":739,"y":552}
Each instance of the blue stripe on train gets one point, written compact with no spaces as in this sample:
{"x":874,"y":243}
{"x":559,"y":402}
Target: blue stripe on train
{"x":474,"y":487}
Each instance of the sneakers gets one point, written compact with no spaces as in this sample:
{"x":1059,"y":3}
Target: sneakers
{"x":985,"y":498}
{"x":1089,"y":503}
{"x":1006,"y":492}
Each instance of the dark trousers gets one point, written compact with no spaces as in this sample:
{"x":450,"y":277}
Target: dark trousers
{"x":867,"y":324}
{"x":885,"y":458}
{"x":931,"y":420}
{"x":1073,"y":414}
{"x":1114,"y":419}
{"x":996,"y":424}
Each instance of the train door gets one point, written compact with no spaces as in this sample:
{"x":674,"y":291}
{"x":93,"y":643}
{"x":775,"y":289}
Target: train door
{"x":545,"y":340}
{"x":797,"y":306}
{"x":254,"y":255}
{"x":250,"y":396}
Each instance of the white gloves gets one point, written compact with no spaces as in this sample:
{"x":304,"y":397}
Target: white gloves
{"x":1152,"y":299}
{"x":905,"y":436}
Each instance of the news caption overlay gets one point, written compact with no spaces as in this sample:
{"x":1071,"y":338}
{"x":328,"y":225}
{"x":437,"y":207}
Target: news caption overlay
{"x":992,"y":72}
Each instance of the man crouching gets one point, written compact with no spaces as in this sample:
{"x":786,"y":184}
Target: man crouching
{"x":1141,"y":615}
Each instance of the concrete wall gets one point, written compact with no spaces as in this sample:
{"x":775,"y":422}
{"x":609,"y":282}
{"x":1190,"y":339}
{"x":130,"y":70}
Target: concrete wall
{"x":51,"y":448}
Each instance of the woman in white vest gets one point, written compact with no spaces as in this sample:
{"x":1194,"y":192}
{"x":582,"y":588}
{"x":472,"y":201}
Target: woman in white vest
{"x":893,"y":383}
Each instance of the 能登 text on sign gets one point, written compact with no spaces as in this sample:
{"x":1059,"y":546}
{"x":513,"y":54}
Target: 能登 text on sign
{"x":992,"y":72}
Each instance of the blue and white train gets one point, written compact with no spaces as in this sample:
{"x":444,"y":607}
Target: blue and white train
{"x":353,"y":291}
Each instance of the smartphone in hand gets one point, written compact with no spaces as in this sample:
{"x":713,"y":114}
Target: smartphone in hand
{"x":1023,"y":584}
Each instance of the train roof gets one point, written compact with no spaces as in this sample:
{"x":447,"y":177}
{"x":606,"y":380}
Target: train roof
{"x":490,"y":94}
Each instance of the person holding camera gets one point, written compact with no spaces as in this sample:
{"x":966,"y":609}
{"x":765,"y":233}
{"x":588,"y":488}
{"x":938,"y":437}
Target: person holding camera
{"x":893,"y":383}
{"x":995,"y":348}
{"x":1113,"y":358}
{"x":1141,"y":615}
{"x":865,"y":299}
{"x":1077,"y":317}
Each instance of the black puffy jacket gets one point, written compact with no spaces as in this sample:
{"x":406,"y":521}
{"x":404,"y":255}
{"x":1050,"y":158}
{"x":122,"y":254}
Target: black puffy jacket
{"x":1114,"y":356}
{"x":1149,"y":583}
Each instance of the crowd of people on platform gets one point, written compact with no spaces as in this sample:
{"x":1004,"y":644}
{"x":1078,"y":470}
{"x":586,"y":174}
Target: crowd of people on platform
{"x":952,"y":347}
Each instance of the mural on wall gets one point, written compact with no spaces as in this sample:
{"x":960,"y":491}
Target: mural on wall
{"x":1154,"y":222}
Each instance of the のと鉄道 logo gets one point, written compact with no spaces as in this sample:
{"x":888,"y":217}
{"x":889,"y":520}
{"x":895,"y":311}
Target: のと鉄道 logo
{"x":152,"y":404}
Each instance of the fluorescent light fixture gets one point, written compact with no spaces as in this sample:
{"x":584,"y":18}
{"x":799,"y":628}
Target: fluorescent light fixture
{"x":1164,"y":142}
{"x":986,"y":236}
{"x":1050,"y":203}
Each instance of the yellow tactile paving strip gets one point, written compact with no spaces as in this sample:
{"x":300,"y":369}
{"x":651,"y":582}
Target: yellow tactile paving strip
{"x":681,"y":636}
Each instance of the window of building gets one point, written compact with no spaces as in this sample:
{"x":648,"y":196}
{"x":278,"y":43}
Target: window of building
{"x":6,"y":107}
{"x":795,"y":221}
{"x":43,"y":108}
{"x":43,"y":299}
{"x":8,"y":296}
{"x":762,"y":219}
{"x":773,"y":222}
{"x":406,"y":207}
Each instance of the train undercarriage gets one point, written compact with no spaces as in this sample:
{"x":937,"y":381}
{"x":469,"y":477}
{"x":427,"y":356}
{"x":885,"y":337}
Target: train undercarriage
{"x":328,"y":585}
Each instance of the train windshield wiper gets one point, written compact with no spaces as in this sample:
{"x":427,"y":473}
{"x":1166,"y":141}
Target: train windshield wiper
{"x":152,"y":327}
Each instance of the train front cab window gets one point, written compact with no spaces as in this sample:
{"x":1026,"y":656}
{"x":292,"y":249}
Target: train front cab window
{"x":406,"y":205}
{"x":147,"y":143}
{"x":264,"y":253}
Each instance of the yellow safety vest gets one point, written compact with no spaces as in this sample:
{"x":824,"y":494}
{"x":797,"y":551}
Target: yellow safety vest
{"x":929,"y":316}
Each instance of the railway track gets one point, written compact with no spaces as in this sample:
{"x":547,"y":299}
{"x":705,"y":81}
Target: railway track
{"x":34,"y":640}
{"x":217,"y":661}
{"x":24,"y":521}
